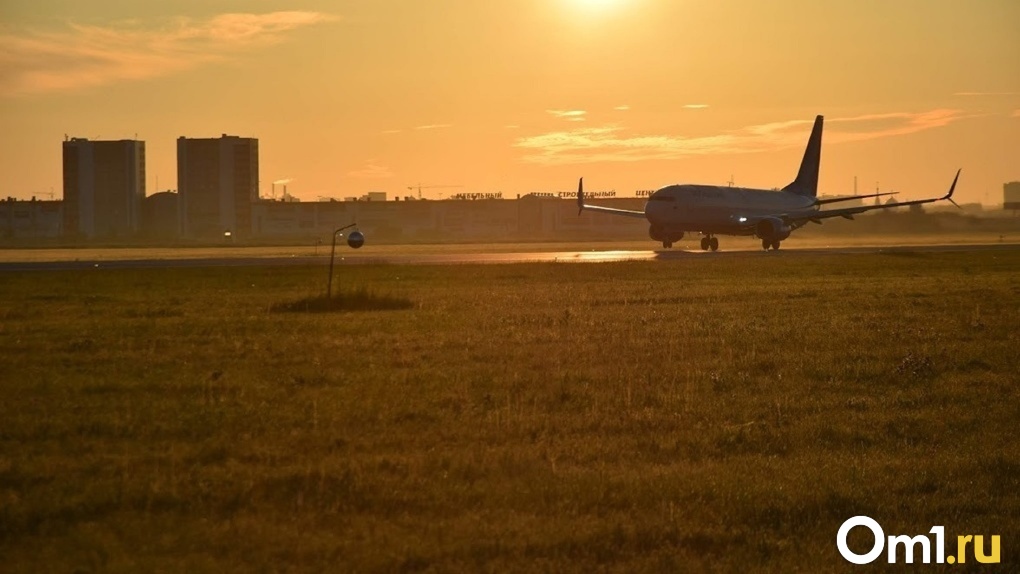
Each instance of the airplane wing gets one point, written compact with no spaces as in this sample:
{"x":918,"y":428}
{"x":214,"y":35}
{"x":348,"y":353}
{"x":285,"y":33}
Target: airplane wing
{"x":797,"y":219}
{"x":581,"y":206}
{"x":852,"y":197}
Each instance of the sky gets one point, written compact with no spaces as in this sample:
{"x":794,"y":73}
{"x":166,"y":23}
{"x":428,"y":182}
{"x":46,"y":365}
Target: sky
{"x":515,"y":96}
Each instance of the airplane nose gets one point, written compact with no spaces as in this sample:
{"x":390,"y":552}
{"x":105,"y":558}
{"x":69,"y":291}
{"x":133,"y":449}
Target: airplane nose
{"x":654,"y":212}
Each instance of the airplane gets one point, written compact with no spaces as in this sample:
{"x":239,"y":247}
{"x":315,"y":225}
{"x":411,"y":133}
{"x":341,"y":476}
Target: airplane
{"x":769,"y":215}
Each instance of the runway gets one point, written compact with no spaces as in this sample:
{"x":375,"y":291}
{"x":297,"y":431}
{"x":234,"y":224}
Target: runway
{"x":460,"y":257}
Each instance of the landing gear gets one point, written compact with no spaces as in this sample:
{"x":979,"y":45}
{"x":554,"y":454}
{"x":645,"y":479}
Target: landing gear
{"x":704,"y":244}
{"x":767,"y":243}
{"x":665,"y":237}
{"x":709,"y":242}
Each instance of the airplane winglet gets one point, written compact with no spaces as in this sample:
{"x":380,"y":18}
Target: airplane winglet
{"x":952,"y":188}
{"x":580,"y":196}
{"x":581,"y":206}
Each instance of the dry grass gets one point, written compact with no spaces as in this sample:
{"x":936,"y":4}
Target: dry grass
{"x":703,"y":415}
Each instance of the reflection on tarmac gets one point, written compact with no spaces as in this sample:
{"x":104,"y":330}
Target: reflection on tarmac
{"x":455,"y":258}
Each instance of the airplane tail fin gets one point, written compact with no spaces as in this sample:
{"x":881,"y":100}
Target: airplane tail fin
{"x":806,"y":183}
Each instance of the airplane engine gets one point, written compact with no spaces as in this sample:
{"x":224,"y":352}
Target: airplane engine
{"x":658,"y":234}
{"x":772,"y":229}
{"x":356,"y":239}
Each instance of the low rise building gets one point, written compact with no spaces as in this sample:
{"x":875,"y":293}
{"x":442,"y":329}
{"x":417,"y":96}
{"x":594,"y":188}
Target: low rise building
{"x":30,"y":219}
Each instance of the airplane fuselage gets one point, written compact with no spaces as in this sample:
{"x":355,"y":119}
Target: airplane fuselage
{"x":770,"y":215}
{"x":708,"y":209}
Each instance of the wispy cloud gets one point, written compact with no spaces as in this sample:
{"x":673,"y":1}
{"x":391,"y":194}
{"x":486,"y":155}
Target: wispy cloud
{"x":695,"y":106}
{"x":390,"y":131}
{"x":569,"y":115}
{"x":875,"y":126}
{"x":613,"y":144}
{"x":623,"y":108}
{"x":283,"y":181}
{"x":85,"y":56}
{"x":371,"y":170}
{"x":434,"y":127}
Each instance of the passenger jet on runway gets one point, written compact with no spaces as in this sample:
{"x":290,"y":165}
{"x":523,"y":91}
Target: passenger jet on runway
{"x":766,"y":214}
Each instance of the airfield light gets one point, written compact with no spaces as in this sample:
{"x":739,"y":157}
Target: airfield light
{"x":355,"y":240}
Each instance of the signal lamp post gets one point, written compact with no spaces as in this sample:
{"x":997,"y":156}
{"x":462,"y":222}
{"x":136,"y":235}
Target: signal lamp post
{"x":355,"y":240}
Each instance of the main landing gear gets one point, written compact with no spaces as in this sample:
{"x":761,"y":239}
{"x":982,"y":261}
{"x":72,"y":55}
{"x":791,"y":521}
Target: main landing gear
{"x":710,"y":242}
{"x":766,"y":243}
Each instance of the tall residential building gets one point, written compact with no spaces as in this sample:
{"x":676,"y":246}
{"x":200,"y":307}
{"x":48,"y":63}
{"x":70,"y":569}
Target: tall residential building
{"x":104,"y":185}
{"x":1011,"y":195}
{"x":217,"y":182}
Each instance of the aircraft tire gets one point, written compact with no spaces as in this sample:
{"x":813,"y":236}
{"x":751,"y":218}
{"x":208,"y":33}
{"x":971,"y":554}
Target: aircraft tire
{"x":704,"y":244}
{"x":775,"y":245}
{"x":765,"y":244}
{"x":713,"y":244}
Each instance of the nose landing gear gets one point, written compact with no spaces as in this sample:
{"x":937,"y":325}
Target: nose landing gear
{"x":665,"y":237}
{"x":767,"y":243}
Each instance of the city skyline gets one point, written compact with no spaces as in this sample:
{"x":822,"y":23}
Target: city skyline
{"x":632,"y":94}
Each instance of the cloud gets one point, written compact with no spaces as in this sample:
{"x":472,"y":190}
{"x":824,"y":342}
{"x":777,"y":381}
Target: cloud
{"x":390,"y":131}
{"x":86,"y":56}
{"x":623,"y":108}
{"x":695,"y":106}
{"x":283,"y":181}
{"x":434,"y":127}
{"x":613,"y":144}
{"x":371,"y":170}
{"x":875,"y":126}
{"x":569,"y":115}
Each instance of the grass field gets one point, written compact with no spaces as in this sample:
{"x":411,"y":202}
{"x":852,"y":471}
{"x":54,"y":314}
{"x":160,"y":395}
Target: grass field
{"x":707,"y":414}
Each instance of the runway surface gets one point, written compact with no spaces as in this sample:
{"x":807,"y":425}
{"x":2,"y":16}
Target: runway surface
{"x":453,"y":257}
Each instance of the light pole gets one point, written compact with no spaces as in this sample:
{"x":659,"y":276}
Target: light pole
{"x":355,"y":240}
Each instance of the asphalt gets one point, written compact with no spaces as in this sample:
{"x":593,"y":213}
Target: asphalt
{"x":453,"y":257}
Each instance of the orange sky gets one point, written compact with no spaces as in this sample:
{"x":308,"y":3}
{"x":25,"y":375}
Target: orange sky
{"x":523,"y":95}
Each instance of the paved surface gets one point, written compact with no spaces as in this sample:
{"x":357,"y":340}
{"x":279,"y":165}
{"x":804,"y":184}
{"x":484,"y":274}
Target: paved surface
{"x":454,"y":258}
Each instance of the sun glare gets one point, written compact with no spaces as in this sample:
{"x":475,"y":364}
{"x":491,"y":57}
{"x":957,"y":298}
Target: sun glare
{"x":596,"y":4}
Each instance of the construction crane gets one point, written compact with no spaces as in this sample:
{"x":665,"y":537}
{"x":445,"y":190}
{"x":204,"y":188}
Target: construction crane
{"x":420,"y":187}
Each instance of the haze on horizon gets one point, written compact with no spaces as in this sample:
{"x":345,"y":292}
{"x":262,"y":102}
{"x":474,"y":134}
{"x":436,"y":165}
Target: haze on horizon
{"x":356,"y":96}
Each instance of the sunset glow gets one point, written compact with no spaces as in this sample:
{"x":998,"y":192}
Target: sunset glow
{"x":522,"y":96}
